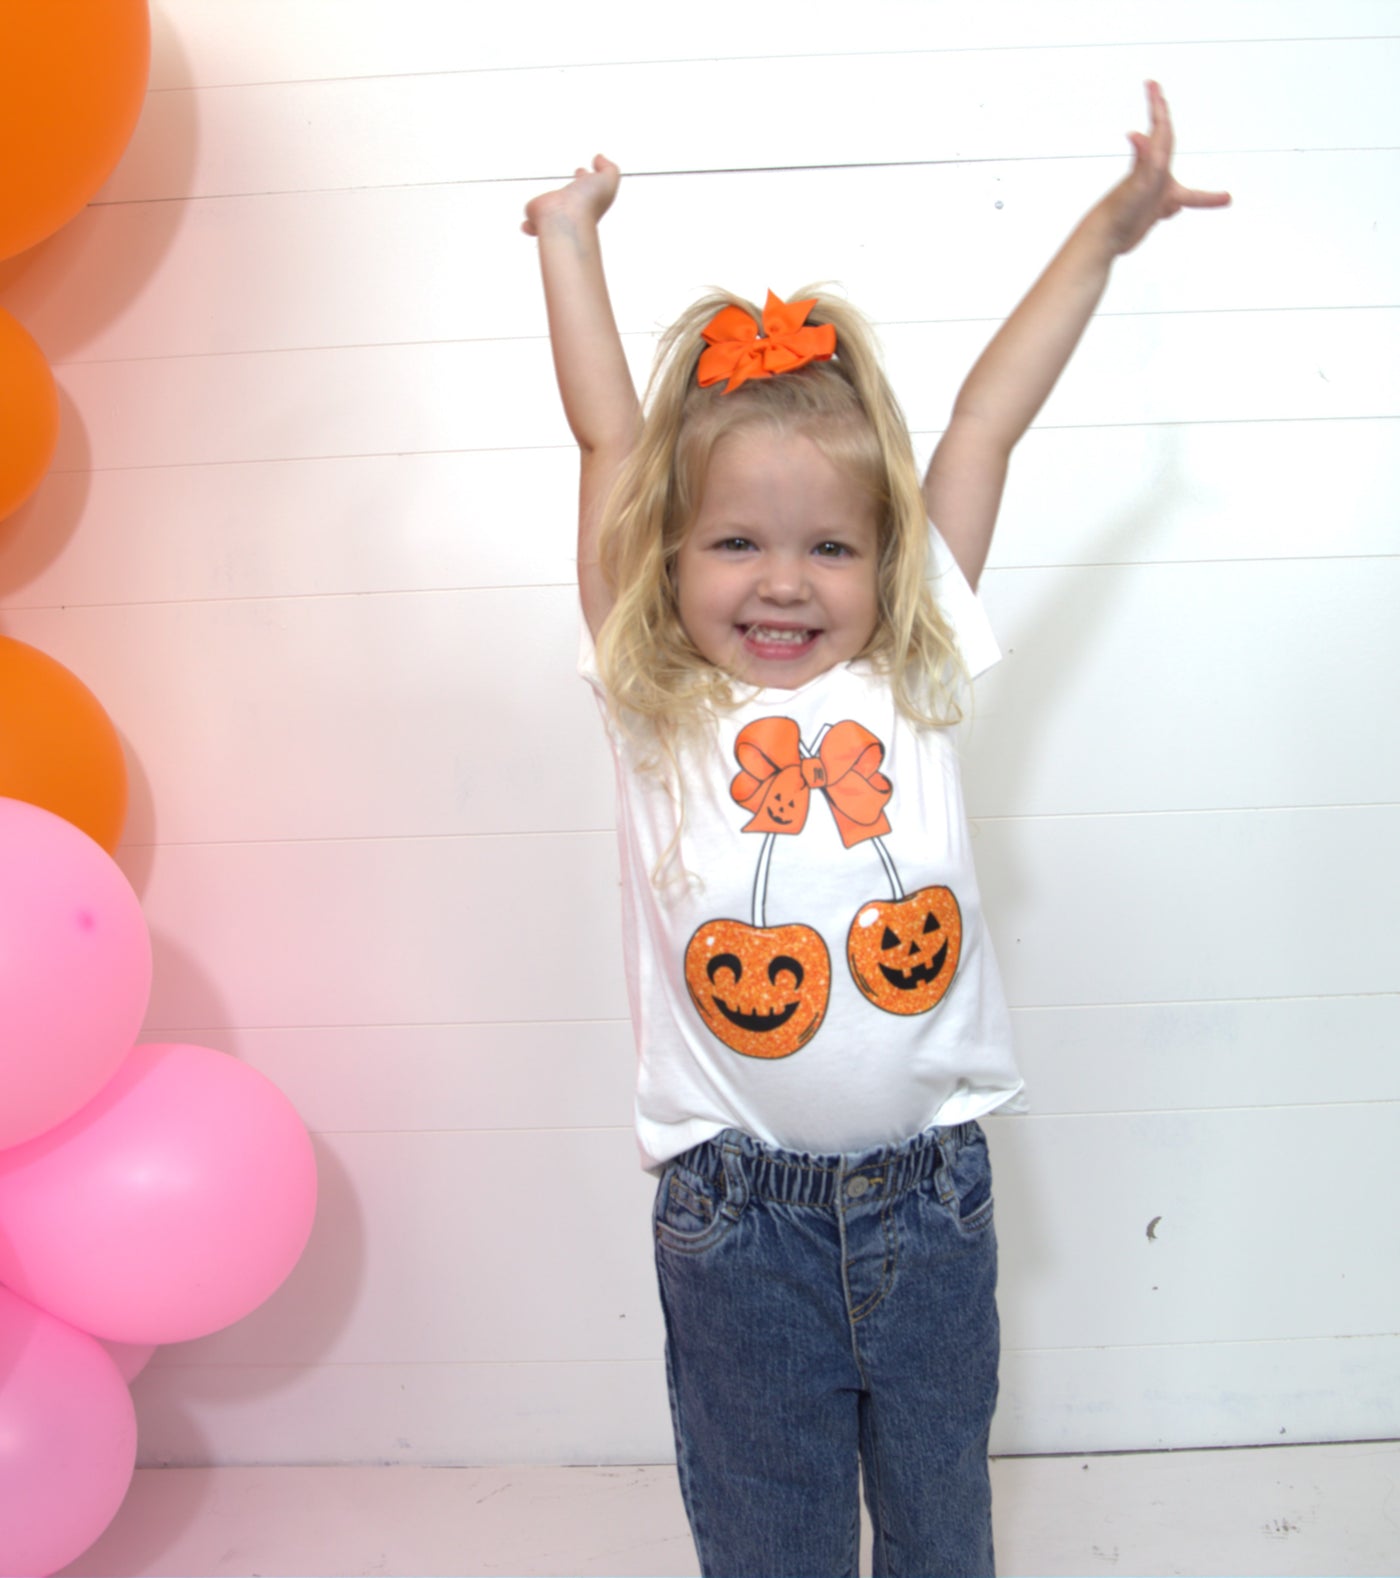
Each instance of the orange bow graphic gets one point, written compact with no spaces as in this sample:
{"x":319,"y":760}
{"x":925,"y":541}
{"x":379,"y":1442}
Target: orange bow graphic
{"x":777,"y":780}
{"x":736,"y":351}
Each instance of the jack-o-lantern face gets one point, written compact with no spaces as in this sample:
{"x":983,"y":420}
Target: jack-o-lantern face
{"x":903,"y":952}
{"x":762,"y":990}
{"x":784,"y":808}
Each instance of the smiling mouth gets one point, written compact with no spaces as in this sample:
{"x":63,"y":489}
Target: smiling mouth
{"x":918,"y":974}
{"x":772,"y":1020}
{"x":778,"y":635}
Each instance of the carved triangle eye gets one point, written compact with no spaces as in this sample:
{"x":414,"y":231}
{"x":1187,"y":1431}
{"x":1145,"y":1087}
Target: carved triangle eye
{"x":889,"y":940}
{"x":931,"y":923}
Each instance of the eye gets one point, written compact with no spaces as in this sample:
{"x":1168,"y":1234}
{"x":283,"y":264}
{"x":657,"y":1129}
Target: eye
{"x":784,"y":963}
{"x":831,"y":550}
{"x":725,"y":961}
{"x":734,"y":544}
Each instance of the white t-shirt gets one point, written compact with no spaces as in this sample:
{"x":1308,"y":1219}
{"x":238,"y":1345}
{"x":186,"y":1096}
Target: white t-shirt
{"x":812,"y":967}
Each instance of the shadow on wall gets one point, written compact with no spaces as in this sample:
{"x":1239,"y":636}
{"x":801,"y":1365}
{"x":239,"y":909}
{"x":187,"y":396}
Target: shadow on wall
{"x":67,"y":290}
{"x":35,"y":535}
{"x":138,"y":846}
{"x":1058,"y":640}
{"x":148,"y":1524}
{"x":1069,"y":634}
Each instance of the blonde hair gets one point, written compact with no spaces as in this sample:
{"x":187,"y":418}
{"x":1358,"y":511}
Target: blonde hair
{"x":658,"y":683}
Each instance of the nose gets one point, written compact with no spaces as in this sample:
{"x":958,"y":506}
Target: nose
{"x":784,"y":579}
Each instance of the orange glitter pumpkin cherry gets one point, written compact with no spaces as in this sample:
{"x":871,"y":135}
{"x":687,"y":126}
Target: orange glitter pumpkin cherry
{"x":763,"y":990}
{"x":903,"y":952}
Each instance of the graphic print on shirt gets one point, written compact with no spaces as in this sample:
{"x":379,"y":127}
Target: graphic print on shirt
{"x":902,"y":951}
{"x":763,"y":990}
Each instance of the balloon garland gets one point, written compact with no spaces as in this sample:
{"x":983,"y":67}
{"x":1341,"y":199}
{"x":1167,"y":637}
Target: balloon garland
{"x":72,"y":82}
{"x":148,"y":1194}
{"x":28,"y":415}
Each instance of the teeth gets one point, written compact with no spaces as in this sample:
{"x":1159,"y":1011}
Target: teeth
{"x":764,"y":633}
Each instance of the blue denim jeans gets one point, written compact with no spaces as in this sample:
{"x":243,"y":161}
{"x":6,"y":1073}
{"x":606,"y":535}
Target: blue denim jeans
{"x":827,"y":1314}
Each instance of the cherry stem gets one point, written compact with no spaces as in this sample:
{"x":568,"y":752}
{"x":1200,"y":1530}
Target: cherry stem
{"x":759,"y":908}
{"x":896,"y":888}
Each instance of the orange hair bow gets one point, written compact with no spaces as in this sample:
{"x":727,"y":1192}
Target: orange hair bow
{"x":735,"y":350}
{"x":777,"y":780}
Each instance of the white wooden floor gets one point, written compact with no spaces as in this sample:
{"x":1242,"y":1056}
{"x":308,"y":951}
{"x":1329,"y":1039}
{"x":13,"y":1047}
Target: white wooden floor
{"x":1276,"y":1510}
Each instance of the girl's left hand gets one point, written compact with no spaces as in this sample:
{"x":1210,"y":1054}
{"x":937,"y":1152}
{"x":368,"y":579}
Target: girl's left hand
{"x":1150,"y":191}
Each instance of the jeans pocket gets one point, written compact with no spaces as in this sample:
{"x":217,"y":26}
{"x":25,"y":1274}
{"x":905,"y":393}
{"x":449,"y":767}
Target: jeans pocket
{"x":692,"y":1213}
{"x":971,"y":1173}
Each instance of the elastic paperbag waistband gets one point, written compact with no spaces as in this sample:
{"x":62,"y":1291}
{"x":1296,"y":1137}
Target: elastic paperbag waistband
{"x":795,"y":1178}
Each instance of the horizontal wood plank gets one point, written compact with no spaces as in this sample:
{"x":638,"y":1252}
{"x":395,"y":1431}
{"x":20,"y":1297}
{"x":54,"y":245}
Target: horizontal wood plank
{"x":506,"y":518}
{"x":1226,"y":1394}
{"x":954,"y":241}
{"x":346,"y":717}
{"x":1191,"y":907}
{"x":418,"y":930}
{"x":1165,"y":1228}
{"x":1078,"y":1400}
{"x":1215,"y":1394}
{"x":1137,"y":688}
{"x":403,"y":1079}
{"x":298,"y":528}
{"x":397,"y":716}
{"x":388,"y":131}
{"x":537,"y":1075}
{"x":1305,"y":1051}
{"x":198,"y":44}
{"x":383,"y":400}
{"x":1209,"y":906}
{"x":410,"y":1413}
{"x":1195,"y":1243}
{"x":444,"y":1248}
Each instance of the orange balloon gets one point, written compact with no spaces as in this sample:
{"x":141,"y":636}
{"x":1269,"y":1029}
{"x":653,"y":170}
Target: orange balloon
{"x":58,"y":749}
{"x":28,"y":415}
{"x":72,"y":80}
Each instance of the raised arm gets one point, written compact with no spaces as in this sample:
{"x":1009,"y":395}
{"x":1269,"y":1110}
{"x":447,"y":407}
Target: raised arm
{"x":600,"y":400}
{"x":1017,"y":371}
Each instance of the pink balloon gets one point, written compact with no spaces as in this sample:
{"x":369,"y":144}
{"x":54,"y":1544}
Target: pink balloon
{"x":67,"y":1440}
{"x":75,"y":969}
{"x":171,"y":1205}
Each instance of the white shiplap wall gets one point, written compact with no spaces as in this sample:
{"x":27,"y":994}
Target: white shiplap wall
{"x":309,"y":533}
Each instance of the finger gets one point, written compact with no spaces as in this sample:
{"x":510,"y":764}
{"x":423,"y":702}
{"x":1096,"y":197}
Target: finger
{"x":1163,"y":137}
{"x":1189,"y":197}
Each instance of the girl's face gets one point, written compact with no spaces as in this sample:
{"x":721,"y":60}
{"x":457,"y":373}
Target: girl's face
{"x":777,"y":577}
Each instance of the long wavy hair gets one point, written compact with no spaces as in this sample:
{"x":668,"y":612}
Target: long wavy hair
{"x":658,"y":683}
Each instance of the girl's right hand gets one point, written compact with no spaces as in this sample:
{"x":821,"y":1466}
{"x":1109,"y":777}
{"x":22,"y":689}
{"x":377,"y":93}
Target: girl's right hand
{"x":584,"y":200}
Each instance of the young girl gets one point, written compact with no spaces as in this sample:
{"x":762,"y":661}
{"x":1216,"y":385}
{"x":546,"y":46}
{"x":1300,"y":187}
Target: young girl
{"x":780,"y":640}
